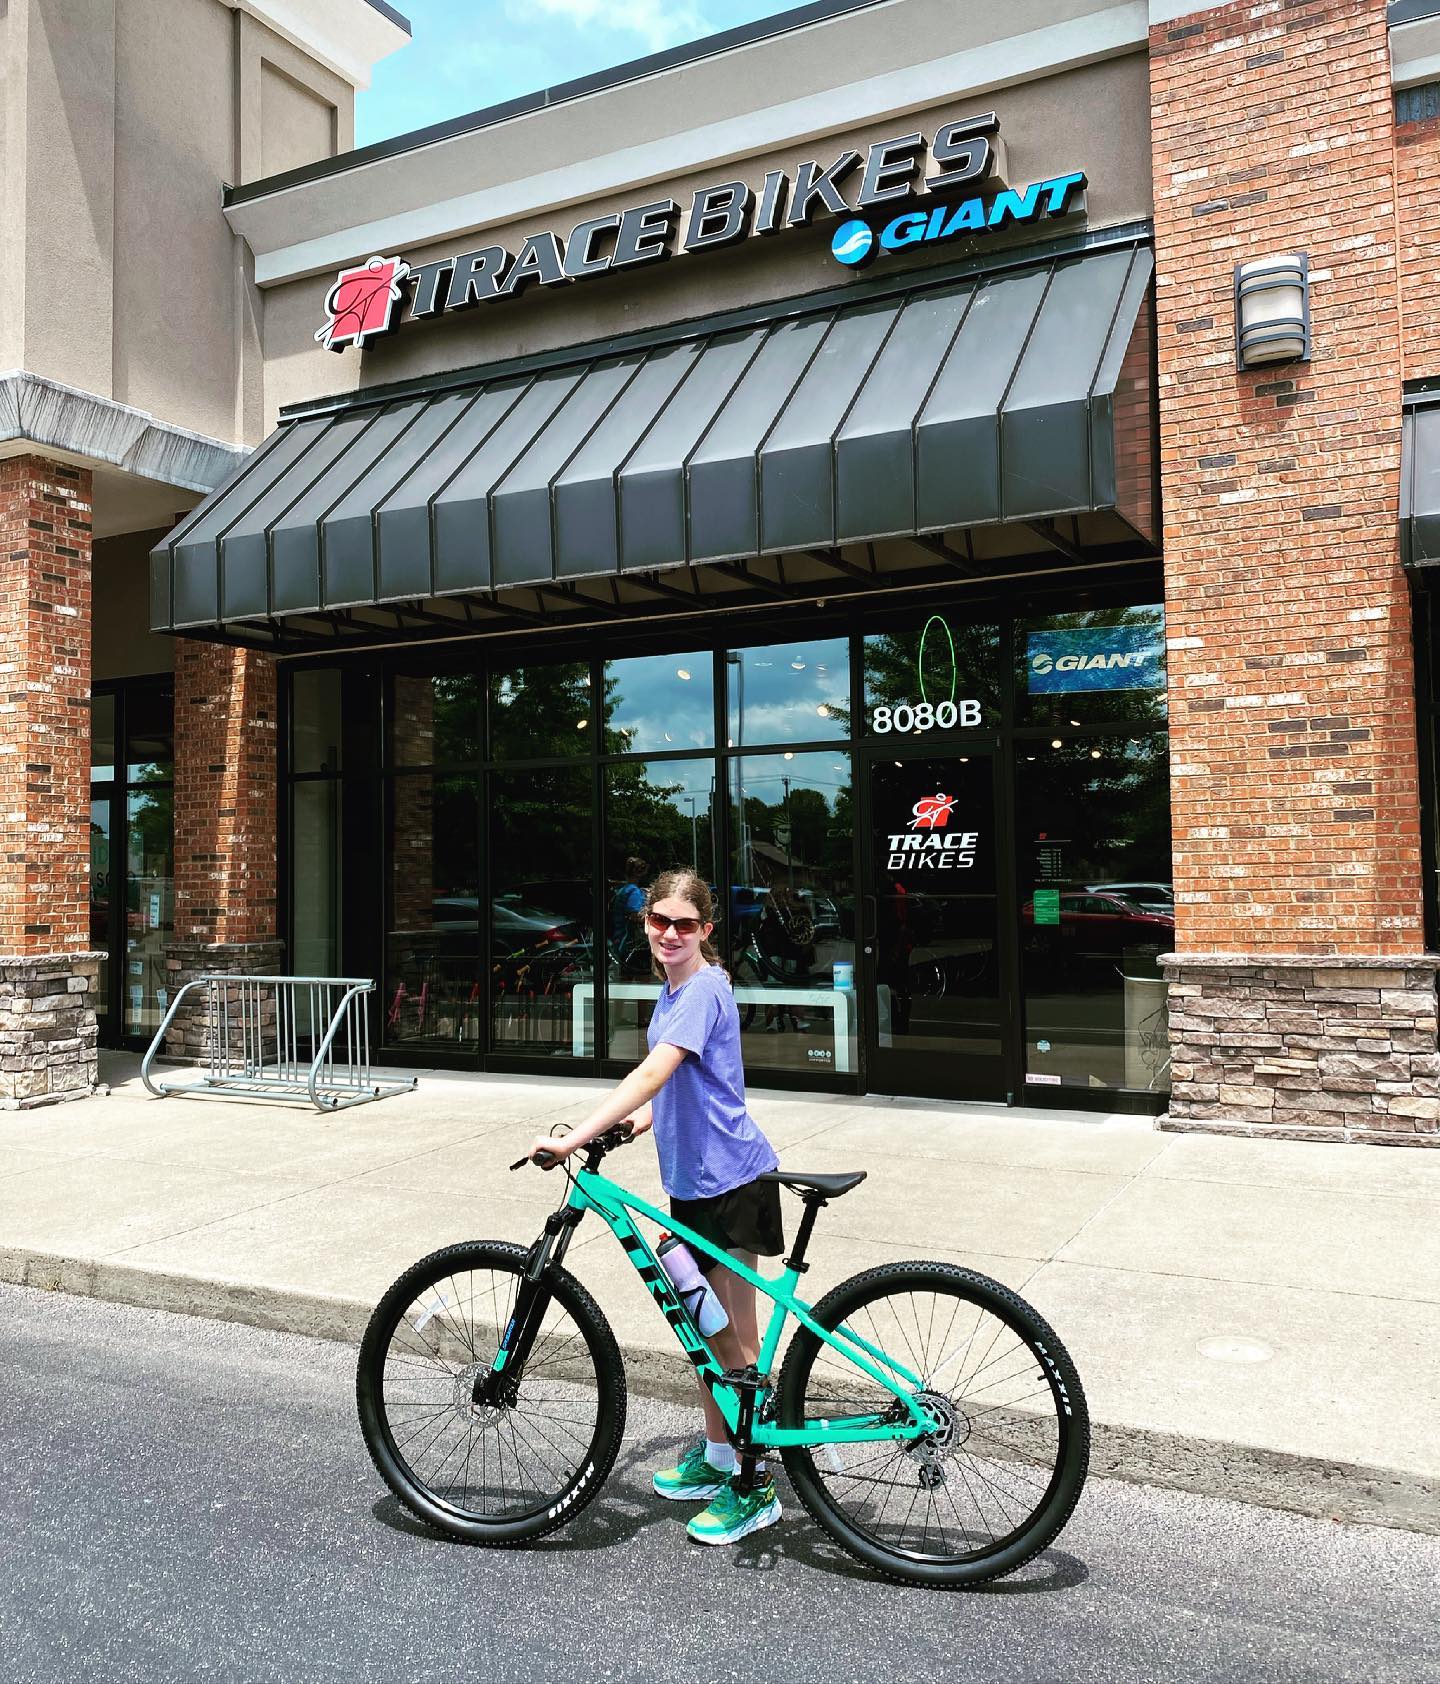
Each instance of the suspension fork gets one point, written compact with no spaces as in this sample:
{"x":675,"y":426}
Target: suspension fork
{"x":501,"y":1381}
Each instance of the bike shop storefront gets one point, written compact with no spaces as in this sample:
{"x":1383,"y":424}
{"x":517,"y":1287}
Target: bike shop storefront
{"x":853,"y":608}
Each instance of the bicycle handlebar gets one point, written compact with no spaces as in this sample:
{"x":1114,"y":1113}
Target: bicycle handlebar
{"x":621,"y":1134}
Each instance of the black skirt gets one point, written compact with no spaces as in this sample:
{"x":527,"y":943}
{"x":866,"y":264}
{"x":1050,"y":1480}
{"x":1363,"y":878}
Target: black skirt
{"x":745,"y":1219}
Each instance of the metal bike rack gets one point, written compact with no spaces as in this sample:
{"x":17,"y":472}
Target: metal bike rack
{"x":282,"y":1037}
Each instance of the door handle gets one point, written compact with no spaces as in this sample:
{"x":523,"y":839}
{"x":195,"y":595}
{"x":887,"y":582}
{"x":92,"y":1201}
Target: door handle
{"x":872,"y":918}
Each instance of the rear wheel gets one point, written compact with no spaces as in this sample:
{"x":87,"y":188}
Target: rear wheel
{"x":994,"y":1484}
{"x":490,"y":1474}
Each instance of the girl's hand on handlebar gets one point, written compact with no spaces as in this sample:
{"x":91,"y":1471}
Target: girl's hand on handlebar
{"x":548,"y":1150}
{"x":640,"y":1123}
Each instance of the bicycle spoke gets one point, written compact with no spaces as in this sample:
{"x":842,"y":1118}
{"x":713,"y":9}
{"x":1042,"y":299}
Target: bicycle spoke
{"x":984,"y":1473}
{"x":491,"y":1461}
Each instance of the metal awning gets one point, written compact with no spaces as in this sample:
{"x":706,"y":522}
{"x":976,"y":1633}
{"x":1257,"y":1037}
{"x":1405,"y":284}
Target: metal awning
{"x":1420,"y":487}
{"x":877,"y":435}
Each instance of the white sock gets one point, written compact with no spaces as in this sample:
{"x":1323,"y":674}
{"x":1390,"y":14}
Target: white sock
{"x":721,"y":1457}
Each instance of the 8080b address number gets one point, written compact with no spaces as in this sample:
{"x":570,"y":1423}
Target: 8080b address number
{"x":924,"y":716}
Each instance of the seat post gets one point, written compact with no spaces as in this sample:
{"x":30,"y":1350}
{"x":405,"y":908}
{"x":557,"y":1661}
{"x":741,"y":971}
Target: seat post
{"x":813,"y":1205}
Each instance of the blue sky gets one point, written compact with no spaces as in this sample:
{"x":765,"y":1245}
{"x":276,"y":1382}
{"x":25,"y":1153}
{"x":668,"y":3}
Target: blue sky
{"x":466,"y":54}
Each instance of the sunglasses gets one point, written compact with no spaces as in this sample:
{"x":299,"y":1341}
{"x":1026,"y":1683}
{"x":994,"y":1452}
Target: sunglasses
{"x":681,"y":926}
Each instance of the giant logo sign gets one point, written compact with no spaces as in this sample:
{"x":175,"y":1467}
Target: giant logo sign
{"x":952,"y":184}
{"x":1095,"y":658}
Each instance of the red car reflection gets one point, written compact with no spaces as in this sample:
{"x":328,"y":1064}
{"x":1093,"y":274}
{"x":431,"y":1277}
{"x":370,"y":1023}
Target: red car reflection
{"x":1101,"y":926}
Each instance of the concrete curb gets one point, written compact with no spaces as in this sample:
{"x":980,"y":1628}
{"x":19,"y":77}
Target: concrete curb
{"x":1305,"y":1485}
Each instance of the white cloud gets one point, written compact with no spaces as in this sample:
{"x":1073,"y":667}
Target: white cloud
{"x":659,"y":23}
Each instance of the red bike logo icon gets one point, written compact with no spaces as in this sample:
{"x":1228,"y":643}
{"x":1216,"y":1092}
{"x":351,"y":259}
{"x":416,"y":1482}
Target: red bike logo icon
{"x":361,"y":302}
{"x":932,"y":812}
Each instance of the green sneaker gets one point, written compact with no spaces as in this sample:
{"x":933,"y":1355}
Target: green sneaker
{"x":732,"y":1517}
{"x":693,"y":1481}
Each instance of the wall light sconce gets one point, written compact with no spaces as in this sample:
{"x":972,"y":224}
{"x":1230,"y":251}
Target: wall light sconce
{"x":1272,"y":311}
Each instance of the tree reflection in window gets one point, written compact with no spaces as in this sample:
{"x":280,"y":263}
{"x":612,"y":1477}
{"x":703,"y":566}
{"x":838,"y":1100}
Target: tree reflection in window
{"x":541,"y":712}
{"x":932,"y":669}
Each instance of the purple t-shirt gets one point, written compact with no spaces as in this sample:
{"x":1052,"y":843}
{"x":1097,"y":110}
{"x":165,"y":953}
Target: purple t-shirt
{"x":707,"y":1141}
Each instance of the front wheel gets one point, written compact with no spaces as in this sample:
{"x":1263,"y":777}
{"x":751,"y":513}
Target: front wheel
{"x":994,"y":1484}
{"x":500,"y":1473}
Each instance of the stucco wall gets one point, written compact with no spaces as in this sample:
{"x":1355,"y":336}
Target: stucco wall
{"x":69,"y":202}
{"x":1095,"y":118}
{"x":13,"y":31}
{"x":297,"y":123}
{"x":120,"y":121}
{"x":175,"y":351}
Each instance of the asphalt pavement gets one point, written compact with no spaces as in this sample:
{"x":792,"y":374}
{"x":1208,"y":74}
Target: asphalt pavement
{"x":189,"y":1500}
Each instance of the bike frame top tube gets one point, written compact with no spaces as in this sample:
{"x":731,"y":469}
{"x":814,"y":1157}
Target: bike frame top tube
{"x":589,"y":1190}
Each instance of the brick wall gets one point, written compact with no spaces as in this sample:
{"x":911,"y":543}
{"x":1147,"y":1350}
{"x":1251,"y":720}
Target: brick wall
{"x":47,"y":973}
{"x":1136,"y":491}
{"x":225,"y":795}
{"x":1295,"y":804}
{"x":1417,"y":177}
{"x":44,"y":706}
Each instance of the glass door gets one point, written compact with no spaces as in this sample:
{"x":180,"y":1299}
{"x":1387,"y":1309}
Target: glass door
{"x":101,"y":909}
{"x":931,"y":950}
{"x":132,"y":855}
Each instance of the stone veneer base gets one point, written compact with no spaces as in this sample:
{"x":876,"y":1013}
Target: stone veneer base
{"x":188,"y":1038}
{"x":1304,"y":1047}
{"x":48,"y":1033}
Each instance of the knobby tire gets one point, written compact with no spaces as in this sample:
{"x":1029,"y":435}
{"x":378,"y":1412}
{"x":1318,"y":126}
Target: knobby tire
{"x":424,"y":1344}
{"x":1016,"y":1459}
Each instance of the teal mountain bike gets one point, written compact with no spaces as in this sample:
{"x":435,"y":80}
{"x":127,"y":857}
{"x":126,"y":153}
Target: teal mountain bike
{"x":928,"y":1418}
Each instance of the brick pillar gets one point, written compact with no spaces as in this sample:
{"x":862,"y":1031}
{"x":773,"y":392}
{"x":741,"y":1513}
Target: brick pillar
{"x":48,"y":972}
{"x":1302,"y":1001}
{"x":225,"y":837}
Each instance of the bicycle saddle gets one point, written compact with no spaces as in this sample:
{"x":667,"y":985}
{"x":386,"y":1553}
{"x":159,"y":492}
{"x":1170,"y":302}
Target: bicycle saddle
{"x":828,"y":1186}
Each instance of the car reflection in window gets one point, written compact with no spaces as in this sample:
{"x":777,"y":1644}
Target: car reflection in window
{"x":1100,"y":928}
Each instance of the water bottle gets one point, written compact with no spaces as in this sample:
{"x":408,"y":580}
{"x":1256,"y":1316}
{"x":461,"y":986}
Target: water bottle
{"x":696,"y":1293}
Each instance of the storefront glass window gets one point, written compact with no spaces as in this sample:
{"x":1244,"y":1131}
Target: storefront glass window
{"x":102,"y":739}
{"x":792,"y":910}
{"x":1103,"y":666}
{"x":789,"y":692}
{"x":658,"y":816}
{"x":659,"y":702}
{"x":435,"y":719}
{"x":315,"y":715}
{"x":432,"y":948}
{"x":101,"y":884}
{"x":1097,"y":908}
{"x":150,"y":913}
{"x":541,"y":712}
{"x":317,"y":863}
{"x":150,"y":733}
{"x":942,"y":675}
{"x":541,"y":913}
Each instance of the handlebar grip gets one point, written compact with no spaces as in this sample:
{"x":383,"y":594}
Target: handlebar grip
{"x":542,"y":1160}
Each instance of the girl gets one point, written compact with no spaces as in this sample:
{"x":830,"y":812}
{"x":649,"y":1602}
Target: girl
{"x":691,"y":1089}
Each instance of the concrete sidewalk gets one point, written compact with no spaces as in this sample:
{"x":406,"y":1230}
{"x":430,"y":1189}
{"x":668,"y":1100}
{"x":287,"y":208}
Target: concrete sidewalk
{"x":1255,"y":1319}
